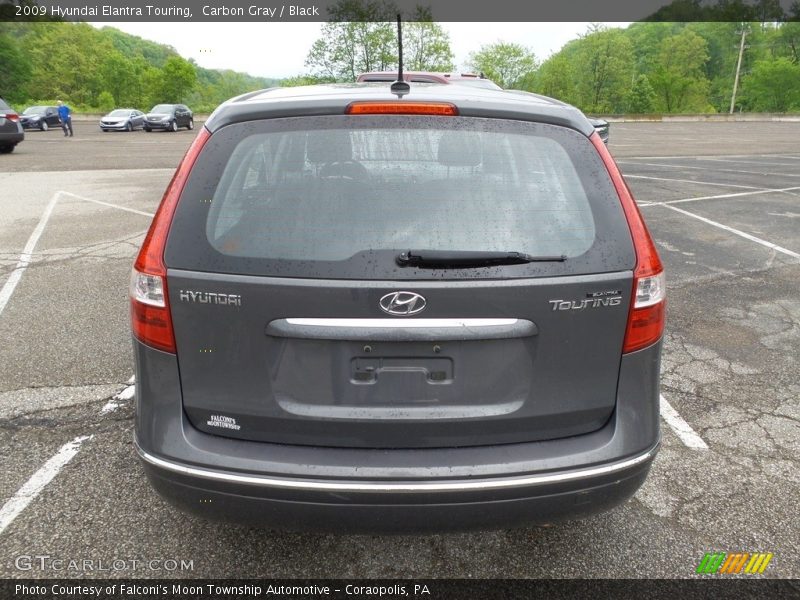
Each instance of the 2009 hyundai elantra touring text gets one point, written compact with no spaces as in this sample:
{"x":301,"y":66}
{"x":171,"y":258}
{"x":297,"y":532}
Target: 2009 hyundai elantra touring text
{"x":362,"y":311}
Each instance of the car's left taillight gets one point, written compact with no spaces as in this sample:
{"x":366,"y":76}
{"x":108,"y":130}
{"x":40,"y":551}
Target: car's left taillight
{"x":151,"y":322}
{"x":648,"y":305}
{"x":11,"y":116}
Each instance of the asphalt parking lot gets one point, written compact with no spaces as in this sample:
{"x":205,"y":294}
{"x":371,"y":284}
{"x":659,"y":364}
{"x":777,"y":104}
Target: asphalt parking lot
{"x":723,"y":203}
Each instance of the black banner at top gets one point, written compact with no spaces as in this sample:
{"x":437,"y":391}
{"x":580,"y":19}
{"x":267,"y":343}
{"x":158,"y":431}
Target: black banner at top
{"x":384,"y":10}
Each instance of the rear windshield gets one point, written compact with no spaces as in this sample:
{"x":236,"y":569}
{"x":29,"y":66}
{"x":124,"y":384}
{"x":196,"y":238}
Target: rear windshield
{"x":343,"y":196}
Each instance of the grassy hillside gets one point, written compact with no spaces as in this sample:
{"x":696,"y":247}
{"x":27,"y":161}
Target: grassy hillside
{"x":99,"y":69}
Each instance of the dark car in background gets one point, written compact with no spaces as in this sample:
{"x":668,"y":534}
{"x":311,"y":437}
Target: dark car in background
{"x":11,"y":132}
{"x":122,"y":119}
{"x":169,"y":117}
{"x":40,"y":117}
{"x":601,"y":126}
{"x":359,"y":312}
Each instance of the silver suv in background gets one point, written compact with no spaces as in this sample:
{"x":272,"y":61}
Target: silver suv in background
{"x":355,"y":311}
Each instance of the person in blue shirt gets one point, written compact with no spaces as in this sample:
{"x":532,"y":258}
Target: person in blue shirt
{"x":65,"y":114}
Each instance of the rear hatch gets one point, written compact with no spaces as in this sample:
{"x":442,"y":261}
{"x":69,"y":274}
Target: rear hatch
{"x":296,"y":323}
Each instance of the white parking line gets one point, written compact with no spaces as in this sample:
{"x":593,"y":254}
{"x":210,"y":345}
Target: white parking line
{"x":117,"y":206}
{"x":734,"y":195}
{"x":728,"y":185}
{"x":749,"y":162}
{"x":702,"y":156}
{"x":681,"y":428}
{"x":121,"y":397}
{"x":671,"y":166}
{"x":33,"y":487}
{"x":27,"y":253}
{"x":746,"y":236}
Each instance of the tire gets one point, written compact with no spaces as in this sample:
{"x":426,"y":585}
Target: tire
{"x":128,"y":127}
{"x":104,"y":130}
{"x":173,"y":127}
{"x":147,"y":129}
{"x":43,"y":126}
{"x":190,"y":126}
{"x":7,"y":149}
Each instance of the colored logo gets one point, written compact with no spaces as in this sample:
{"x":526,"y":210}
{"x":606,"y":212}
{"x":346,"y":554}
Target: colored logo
{"x":728,"y":563}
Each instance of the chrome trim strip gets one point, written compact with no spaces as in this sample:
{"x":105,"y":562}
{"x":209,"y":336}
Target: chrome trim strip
{"x":397,"y":487}
{"x":400,"y":322}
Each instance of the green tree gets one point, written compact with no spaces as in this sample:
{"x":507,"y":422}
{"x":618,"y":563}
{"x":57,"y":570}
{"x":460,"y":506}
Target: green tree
{"x":359,"y":38}
{"x":139,"y":89}
{"x":773,"y":85}
{"x":346,"y":49}
{"x":642,"y":96}
{"x":426,"y":46}
{"x":119,"y":76}
{"x":722,"y":41}
{"x":556,"y":78}
{"x":679,"y":79}
{"x":178,"y":77}
{"x":65,"y":60}
{"x":511,"y":66}
{"x":604,"y":62}
{"x":152,"y":81}
{"x":788,"y":40}
{"x":14,"y":70}
{"x":105,"y":101}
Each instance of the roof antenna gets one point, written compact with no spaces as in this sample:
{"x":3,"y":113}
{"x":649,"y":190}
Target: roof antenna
{"x":400,"y":87}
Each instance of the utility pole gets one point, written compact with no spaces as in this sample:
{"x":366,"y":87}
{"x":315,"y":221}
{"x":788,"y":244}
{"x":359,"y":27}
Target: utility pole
{"x":738,"y":68}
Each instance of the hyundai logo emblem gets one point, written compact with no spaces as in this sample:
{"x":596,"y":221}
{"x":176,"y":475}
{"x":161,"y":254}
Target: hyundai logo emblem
{"x":402,"y":303}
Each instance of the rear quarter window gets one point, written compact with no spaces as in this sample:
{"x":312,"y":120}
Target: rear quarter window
{"x":341,"y":196}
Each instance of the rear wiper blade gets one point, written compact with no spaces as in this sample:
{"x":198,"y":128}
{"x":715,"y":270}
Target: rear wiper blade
{"x":453,"y":258}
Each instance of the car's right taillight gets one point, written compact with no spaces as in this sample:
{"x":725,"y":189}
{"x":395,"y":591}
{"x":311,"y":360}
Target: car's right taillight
{"x":151,"y":321}
{"x":648,"y":304}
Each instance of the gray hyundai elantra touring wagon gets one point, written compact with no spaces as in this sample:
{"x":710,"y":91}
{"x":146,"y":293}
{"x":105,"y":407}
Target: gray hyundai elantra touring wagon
{"x":360,"y":311}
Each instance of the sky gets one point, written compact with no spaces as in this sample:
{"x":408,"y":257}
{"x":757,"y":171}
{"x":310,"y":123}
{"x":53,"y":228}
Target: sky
{"x":279,"y":49}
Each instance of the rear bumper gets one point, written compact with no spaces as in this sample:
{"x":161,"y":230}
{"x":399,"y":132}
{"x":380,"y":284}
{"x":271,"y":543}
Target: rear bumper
{"x":397,"y":507}
{"x":367,"y":490}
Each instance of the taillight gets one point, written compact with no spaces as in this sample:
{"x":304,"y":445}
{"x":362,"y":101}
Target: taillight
{"x":648,"y":304}
{"x":151,"y":322}
{"x":11,"y":116}
{"x":442,"y":109}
